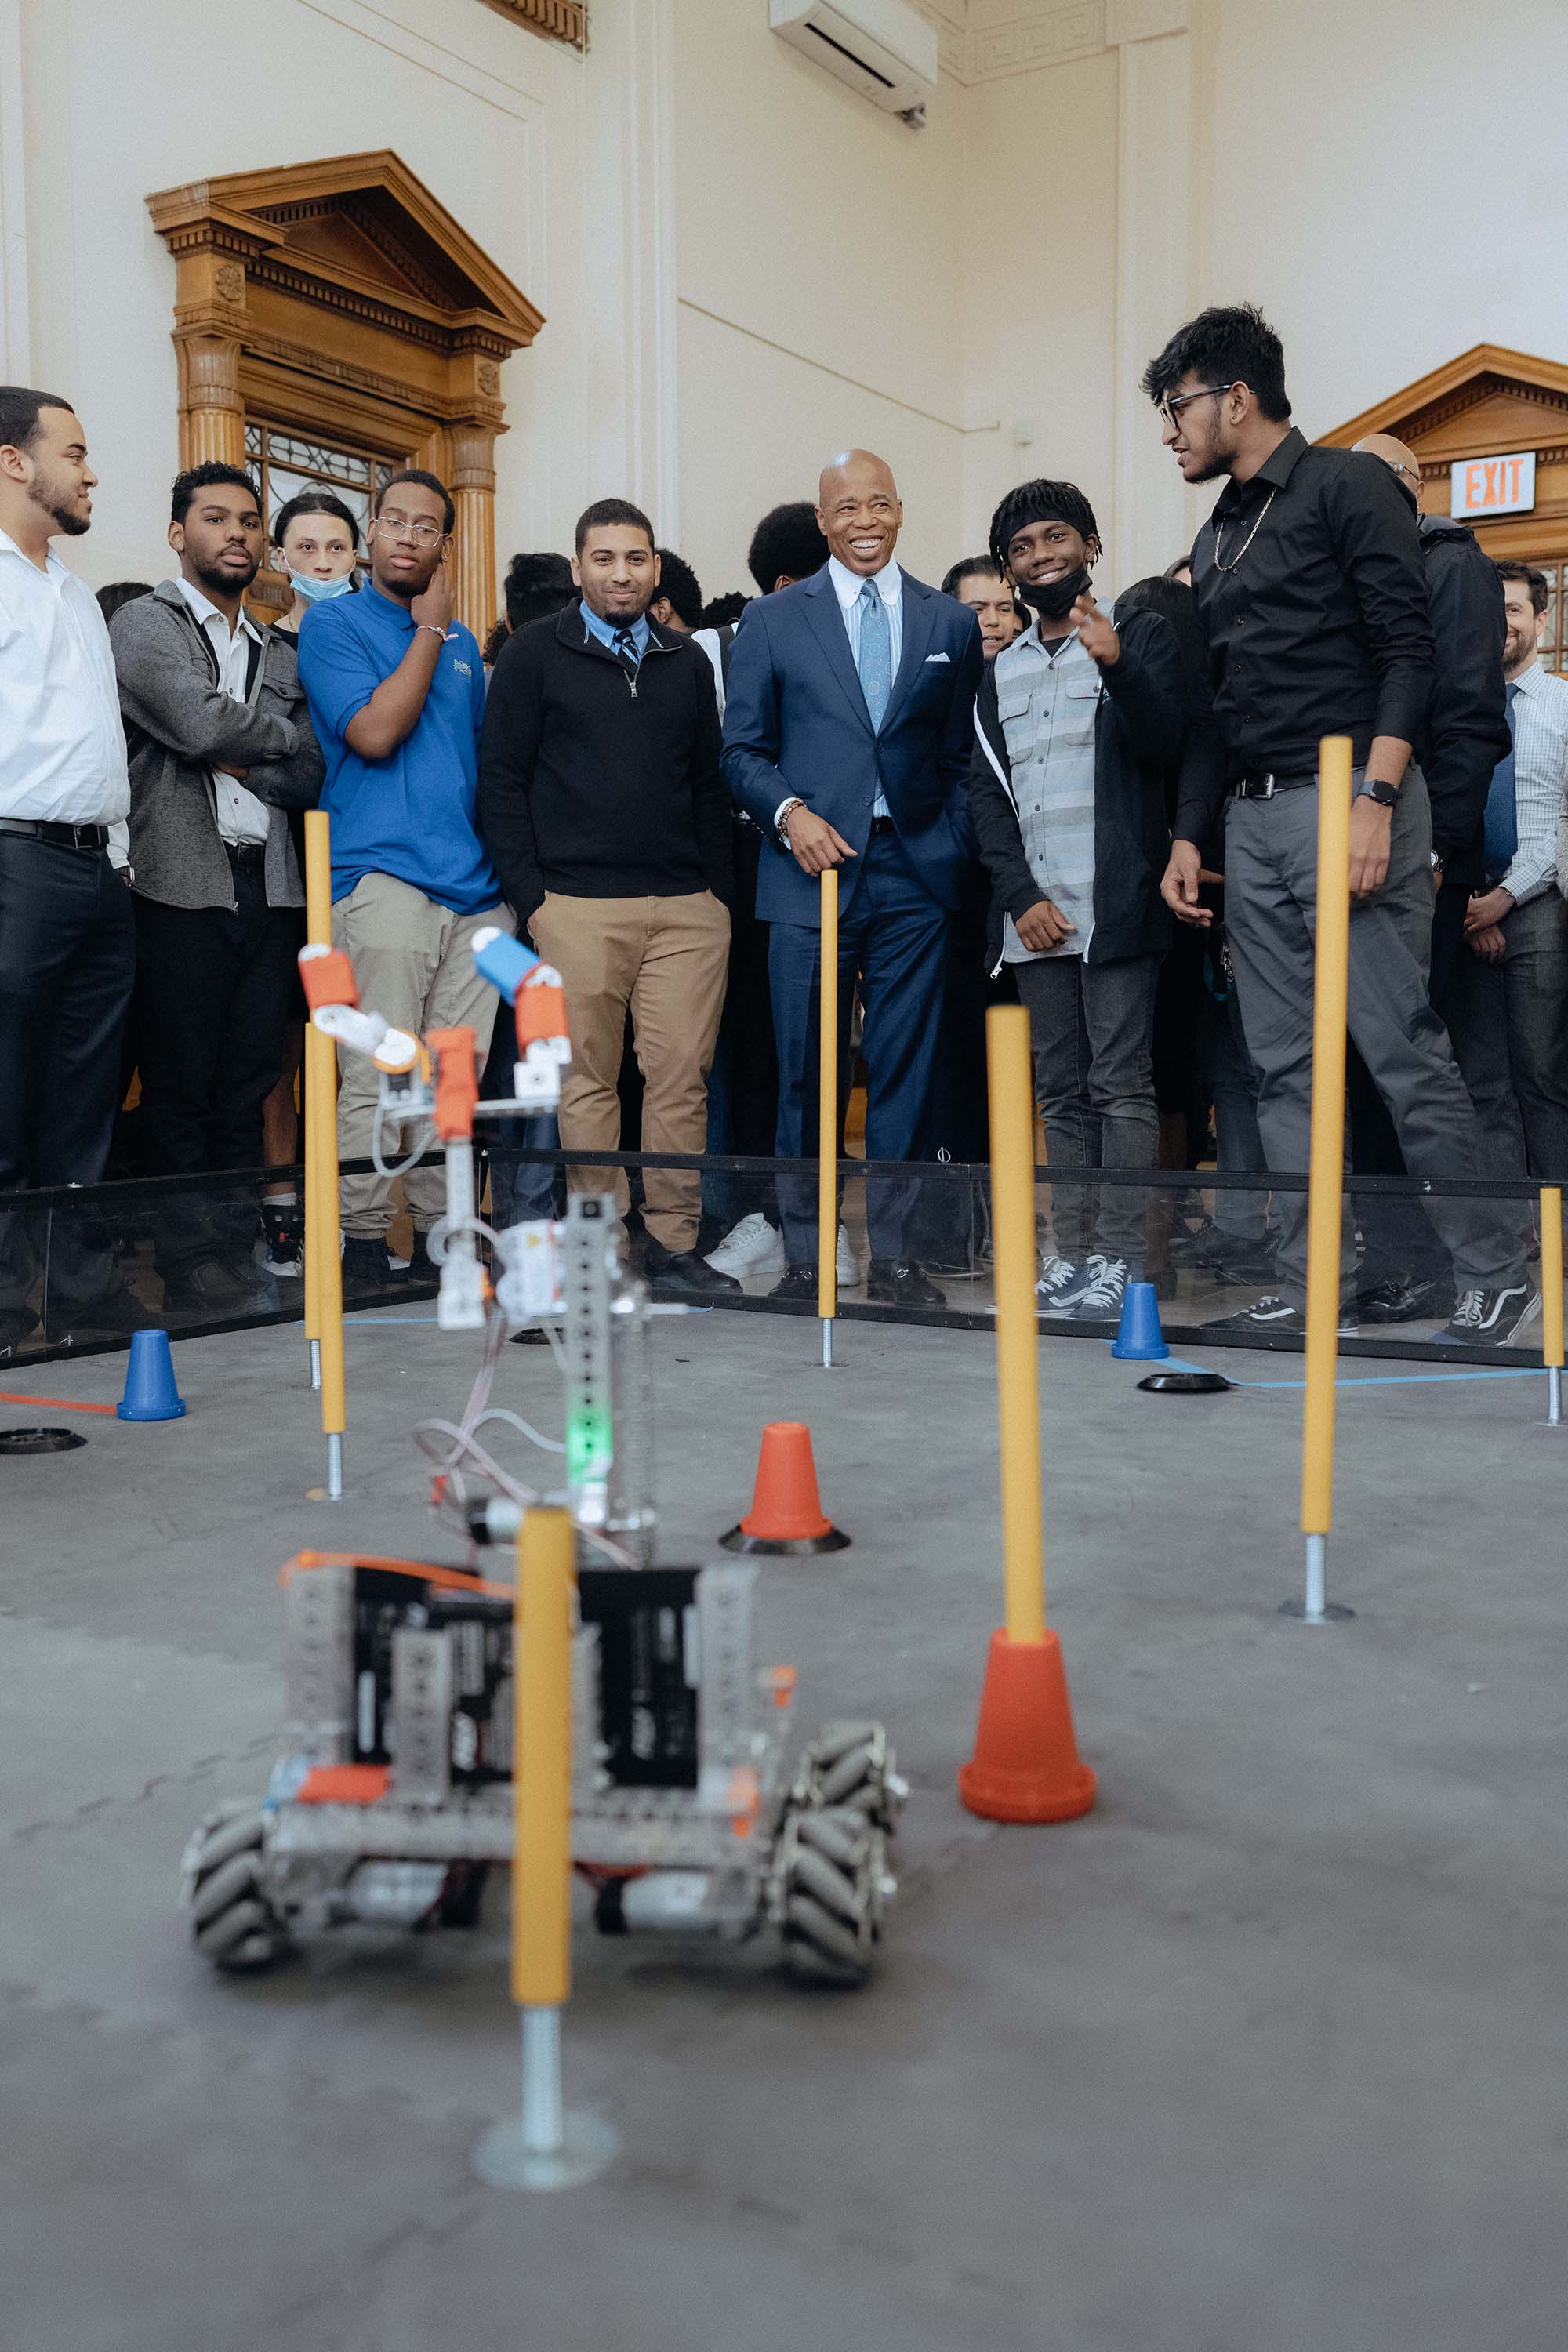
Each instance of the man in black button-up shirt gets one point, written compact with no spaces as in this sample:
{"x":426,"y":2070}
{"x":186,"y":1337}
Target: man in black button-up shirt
{"x":1309,"y":584}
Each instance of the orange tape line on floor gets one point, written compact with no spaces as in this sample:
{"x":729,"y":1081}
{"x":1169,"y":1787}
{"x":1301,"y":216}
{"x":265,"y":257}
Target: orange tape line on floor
{"x":55,"y":1404}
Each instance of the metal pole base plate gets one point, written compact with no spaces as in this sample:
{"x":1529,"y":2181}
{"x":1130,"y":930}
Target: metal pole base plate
{"x":1334,"y":1613}
{"x":589,"y":2145}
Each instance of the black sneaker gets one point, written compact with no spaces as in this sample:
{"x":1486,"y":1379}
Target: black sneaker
{"x":421,"y":1266}
{"x":284,"y":1225}
{"x":1488,"y":1319}
{"x":211,"y":1286}
{"x":1275,"y":1319}
{"x":797,"y":1284}
{"x":684,"y":1274}
{"x":368,"y":1271}
{"x":1406,"y":1299}
{"x":899,"y":1282}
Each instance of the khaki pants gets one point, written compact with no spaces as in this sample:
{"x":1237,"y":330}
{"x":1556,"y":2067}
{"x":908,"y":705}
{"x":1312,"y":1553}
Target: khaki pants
{"x":667,"y":959}
{"x":414,"y":965}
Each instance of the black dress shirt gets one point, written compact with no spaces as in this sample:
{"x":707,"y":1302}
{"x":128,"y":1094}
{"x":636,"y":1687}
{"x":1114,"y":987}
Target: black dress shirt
{"x":1321,"y":627}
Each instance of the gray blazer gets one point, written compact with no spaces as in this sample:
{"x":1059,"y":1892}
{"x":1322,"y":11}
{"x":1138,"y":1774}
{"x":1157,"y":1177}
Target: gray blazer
{"x":178,"y":722}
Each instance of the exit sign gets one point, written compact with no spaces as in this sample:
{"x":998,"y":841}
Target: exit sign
{"x":1494,"y":486}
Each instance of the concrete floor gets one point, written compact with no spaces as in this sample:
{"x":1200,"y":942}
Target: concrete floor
{"x":1264,"y":2056}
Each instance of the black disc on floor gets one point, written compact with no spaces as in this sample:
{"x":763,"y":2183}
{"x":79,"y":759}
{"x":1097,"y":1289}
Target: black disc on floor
{"x":39,"y":1440}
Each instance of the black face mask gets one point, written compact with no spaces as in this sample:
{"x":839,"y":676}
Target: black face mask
{"x":1053,"y":599}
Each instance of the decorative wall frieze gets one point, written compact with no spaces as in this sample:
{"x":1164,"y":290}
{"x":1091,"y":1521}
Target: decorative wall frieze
{"x":554,"y":20}
{"x":986,"y":40}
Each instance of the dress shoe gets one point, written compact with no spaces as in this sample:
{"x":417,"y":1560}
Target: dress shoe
{"x":1406,"y":1299}
{"x":684,"y":1274}
{"x":899,"y":1282}
{"x":210,"y":1287}
{"x":17,"y":1325}
{"x":798,"y":1286}
{"x":114,"y":1314}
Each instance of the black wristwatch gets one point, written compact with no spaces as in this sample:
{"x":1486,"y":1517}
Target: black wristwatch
{"x":1372,"y":789}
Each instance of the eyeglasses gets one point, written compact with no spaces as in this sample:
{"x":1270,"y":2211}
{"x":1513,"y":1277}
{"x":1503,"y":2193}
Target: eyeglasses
{"x":1168,"y":408}
{"x":423,"y":534}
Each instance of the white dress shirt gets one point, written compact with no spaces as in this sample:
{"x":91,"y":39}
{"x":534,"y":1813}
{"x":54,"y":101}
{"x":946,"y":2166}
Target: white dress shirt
{"x":889,"y":585}
{"x":62,"y":745}
{"x":1539,"y":780}
{"x":241,"y":817}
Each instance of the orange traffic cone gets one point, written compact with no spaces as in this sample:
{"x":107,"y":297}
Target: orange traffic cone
{"x":787,"y":1513}
{"x":1026,"y":1766}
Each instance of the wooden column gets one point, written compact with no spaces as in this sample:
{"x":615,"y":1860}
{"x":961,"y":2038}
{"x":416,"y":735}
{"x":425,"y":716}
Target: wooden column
{"x":473,"y":488}
{"x":210,"y":324}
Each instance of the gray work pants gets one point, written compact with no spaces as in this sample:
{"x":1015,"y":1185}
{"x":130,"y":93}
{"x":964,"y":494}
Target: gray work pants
{"x":1271,"y":905}
{"x":1509,"y":1021}
{"x":1092,"y":1028}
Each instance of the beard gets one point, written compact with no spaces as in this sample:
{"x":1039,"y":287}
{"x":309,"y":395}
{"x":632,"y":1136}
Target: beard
{"x":225,"y":582}
{"x":60,"y":505}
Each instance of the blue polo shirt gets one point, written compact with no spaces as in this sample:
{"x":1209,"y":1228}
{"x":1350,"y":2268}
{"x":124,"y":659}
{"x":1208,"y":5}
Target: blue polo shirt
{"x":411,"y":815}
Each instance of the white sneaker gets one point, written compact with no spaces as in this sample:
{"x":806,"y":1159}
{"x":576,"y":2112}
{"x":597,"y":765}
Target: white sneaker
{"x":846,"y":1266}
{"x":753,"y":1246}
{"x":1058,"y":1276}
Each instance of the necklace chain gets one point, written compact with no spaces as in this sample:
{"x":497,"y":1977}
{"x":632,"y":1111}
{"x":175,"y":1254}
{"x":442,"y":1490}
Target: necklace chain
{"x":1247,"y":542}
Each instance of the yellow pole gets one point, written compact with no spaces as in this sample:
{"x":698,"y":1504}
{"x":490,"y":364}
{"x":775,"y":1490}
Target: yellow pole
{"x":1552,"y":1298}
{"x":319,"y":932}
{"x":541,"y":1703}
{"x":827,"y":1120}
{"x":1011,"y":1092}
{"x":321,"y":1128}
{"x":1325,"y":1193}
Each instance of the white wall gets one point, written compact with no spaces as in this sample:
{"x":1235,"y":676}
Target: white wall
{"x":820,"y":257}
{"x":1389,"y":182}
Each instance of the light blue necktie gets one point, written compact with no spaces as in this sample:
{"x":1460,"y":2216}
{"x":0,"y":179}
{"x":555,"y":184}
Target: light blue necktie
{"x":1502,"y":816}
{"x":875,"y":659}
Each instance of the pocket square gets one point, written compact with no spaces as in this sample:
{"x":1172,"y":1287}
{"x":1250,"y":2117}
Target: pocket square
{"x":931,"y":657}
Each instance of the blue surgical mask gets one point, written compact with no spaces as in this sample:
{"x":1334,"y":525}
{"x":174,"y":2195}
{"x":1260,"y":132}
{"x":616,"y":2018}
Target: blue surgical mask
{"x":317,"y":592}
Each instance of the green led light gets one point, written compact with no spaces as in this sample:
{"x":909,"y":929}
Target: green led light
{"x":588,"y":1448}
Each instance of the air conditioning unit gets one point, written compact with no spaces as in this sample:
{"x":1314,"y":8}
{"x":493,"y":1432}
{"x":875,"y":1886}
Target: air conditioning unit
{"x":883,"y":48}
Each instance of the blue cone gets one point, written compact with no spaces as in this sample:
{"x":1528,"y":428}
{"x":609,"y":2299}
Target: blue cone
{"x":1139,"y":1339}
{"x":150,"y":1391}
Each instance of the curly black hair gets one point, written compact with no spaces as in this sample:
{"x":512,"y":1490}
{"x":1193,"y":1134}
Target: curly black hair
{"x":678,"y":582}
{"x":787,"y":544}
{"x":1041,"y":501}
{"x":1230,"y":344}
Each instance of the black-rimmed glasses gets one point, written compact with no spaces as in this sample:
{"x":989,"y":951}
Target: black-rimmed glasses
{"x":1168,"y":408}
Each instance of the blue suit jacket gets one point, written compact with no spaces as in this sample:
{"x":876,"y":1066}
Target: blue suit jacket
{"x":796,"y":722}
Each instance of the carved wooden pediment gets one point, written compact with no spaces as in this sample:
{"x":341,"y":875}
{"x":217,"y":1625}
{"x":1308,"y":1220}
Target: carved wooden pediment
{"x":1488,"y":401}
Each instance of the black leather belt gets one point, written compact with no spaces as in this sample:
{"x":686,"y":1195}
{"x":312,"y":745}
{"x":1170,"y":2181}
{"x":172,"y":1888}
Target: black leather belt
{"x":241,"y":852}
{"x":63,"y":836}
{"x":1264,"y":787}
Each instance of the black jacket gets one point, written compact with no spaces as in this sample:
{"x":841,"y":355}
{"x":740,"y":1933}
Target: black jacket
{"x":1138,"y":729}
{"x":1466,"y":733}
{"x":596,"y":788}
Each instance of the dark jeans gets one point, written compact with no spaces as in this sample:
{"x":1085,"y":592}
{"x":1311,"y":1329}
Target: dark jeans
{"x":1400,"y":1241}
{"x":1233,"y":1084}
{"x":1092,"y":1028}
{"x":1509,"y":1021}
{"x":214,"y":995}
{"x":892,"y":938}
{"x":743,"y":1083}
{"x":521,"y":1190}
{"x":68,"y":955}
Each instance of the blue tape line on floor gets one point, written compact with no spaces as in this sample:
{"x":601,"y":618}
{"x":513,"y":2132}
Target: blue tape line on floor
{"x":1408,"y":1379}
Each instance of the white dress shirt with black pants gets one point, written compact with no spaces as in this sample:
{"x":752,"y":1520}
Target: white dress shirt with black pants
{"x":67,"y":941}
{"x":217,"y":890}
{"x":1509,"y":1019}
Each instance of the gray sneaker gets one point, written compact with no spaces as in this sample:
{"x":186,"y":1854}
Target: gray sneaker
{"x":1058,"y":1276}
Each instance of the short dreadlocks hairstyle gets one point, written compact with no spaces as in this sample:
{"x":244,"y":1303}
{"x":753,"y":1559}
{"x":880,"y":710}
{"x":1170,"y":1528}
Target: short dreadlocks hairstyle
{"x":1041,"y":501}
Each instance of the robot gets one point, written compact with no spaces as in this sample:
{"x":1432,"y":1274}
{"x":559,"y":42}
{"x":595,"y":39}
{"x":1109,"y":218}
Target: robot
{"x":392,"y":1798}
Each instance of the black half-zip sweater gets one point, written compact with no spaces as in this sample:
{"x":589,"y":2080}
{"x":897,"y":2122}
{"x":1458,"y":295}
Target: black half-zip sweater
{"x":597,"y":786}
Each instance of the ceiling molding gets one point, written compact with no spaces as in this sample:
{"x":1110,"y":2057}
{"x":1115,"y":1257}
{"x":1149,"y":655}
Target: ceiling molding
{"x":988,"y":40}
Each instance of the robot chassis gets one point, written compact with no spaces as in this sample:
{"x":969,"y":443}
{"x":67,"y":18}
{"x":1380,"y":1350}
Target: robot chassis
{"x":394,"y":1796}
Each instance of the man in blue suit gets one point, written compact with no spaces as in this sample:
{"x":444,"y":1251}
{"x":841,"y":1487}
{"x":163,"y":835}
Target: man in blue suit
{"x":848,"y":732}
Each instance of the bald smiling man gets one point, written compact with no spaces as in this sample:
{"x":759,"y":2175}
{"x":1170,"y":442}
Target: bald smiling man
{"x":847,"y":738}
